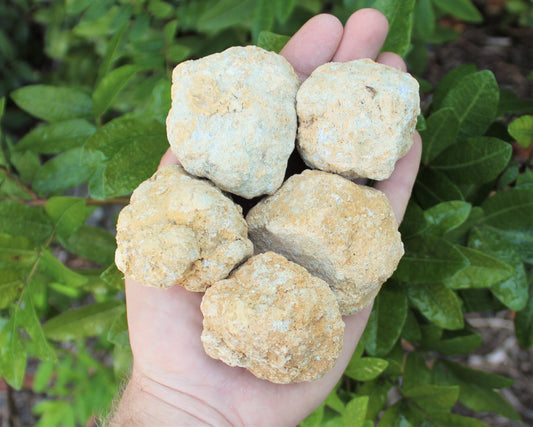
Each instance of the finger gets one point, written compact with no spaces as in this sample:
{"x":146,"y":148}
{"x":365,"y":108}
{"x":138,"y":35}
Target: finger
{"x":314,"y":44}
{"x":363,"y":37}
{"x":168,"y":159}
{"x":392,"y":60}
{"x":400,"y":184}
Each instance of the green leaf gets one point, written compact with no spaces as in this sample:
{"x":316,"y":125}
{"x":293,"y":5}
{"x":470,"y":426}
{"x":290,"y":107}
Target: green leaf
{"x":126,"y":152}
{"x":263,"y":17}
{"x":400,"y":16}
{"x":66,"y":170}
{"x":272,"y":41}
{"x":416,"y":373}
{"x":446,"y":216}
{"x":10,"y":286}
{"x":58,"y":272}
{"x":521,"y":129}
{"x":22,"y":220}
{"x":110,"y":86}
{"x":523,"y":321}
{"x":160,"y":9}
{"x":386,"y":320}
{"x":67,"y":213}
{"x":224,"y":14}
{"x":433,"y":398}
{"x":92,"y":243}
{"x":17,"y":253}
{"x":447,"y":420}
{"x":13,"y":355}
{"x":434,"y":187}
{"x":56,"y":137}
{"x":392,"y":417}
{"x":113,"y":277}
{"x":177,"y":53}
{"x":449,"y":81}
{"x":413,"y":222}
{"x":457,"y":342}
{"x":475,"y":101}
{"x":477,"y":160}
{"x":376,"y":391}
{"x":355,"y":413}
{"x":118,"y":332}
{"x":158,"y":104}
{"x":283,"y":9}
{"x":111,"y":51}
{"x":441,"y":132}
{"x":462,"y":9}
{"x":424,"y":20}
{"x":473,"y":376}
{"x":429,"y":259}
{"x":483,"y":271}
{"x":513,"y":292}
{"x":438,"y":304}
{"x":509,"y":210}
{"x":511,"y":104}
{"x":83,"y":322}
{"x":411,"y":330}
{"x":53,"y":103}
{"x":26,"y":164}
{"x":366,"y":369}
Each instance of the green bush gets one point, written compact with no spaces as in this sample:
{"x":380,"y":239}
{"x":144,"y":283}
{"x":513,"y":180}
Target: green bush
{"x":96,"y":123}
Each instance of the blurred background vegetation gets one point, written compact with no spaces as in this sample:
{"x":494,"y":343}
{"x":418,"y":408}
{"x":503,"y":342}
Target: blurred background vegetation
{"x":84,"y":92}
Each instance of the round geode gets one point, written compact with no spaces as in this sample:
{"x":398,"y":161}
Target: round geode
{"x":180,"y":230}
{"x":344,"y":233}
{"x":233,"y":118}
{"x":275,"y":319}
{"x":356,"y":118}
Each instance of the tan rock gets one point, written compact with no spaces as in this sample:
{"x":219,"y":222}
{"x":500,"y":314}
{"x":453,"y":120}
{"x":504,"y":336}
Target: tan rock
{"x":342,"y":232}
{"x":181,"y":230}
{"x":233,"y":118}
{"x":275,"y":319}
{"x":356,"y":118}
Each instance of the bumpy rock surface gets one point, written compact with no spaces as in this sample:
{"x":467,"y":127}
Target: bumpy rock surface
{"x":275,"y":319}
{"x":342,"y":232}
{"x":356,"y":118}
{"x":181,"y":230}
{"x":233,"y":118}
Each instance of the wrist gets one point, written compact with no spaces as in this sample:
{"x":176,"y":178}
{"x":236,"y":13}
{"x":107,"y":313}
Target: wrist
{"x":146,"y":402}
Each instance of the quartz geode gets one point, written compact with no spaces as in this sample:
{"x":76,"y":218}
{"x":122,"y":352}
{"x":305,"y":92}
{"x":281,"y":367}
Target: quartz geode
{"x":344,"y":233}
{"x":233,"y":118}
{"x":275,"y":319}
{"x":180,"y":230}
{"x":356,"y":118}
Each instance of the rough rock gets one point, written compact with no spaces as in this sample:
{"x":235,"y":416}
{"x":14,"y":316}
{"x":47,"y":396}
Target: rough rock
{"x":344,"y":233}
{"x":275,"y":319}
{"x":356,"y":118}
{"x":233,"y":118}
{"x":181,"y":230}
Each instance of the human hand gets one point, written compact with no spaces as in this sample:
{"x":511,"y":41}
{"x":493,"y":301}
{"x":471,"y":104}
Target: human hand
{"x":173,"y":381}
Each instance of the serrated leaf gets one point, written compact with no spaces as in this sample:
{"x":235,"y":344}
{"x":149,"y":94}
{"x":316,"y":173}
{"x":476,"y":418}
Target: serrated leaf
{"x":366,"y":368}
{"x":110,"y":86}
{"x":523,"y":321}
{"x":124,"y":152}
{"x":10,"y":286}
{"x":513,"y":292}
{"x":92,"y":243}
{"x":66,"y":170}
{"x":508,"y":210}
{"x":522,"y":130}
{"x":475,"y":101}
{"x":433,"y":398}
{"x":429,"y":259}
{"x":441,"y":132}
{"x":438,"y":304}
{"x":483,"y":271}
{"x":67,"y":213}
{"x":386,"y":320}
{"x":446,"y":216}
{"x":83,"y":322}
{"x":462,"y":9}
{"x":53,"y":103}
{"x":355,"y":412}
{"x":475,"y":161}
{"x":272,"y":41}
{"x":400,"y":16}
{"x":21,"y":220}
{"x":449,"y":81}
{"x":434,"y":187}
{"x":56,"y":137}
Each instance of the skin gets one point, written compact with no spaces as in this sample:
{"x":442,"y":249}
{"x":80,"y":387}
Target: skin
{"x":173,"y":381}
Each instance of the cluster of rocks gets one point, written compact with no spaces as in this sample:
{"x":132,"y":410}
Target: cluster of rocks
{"x":323,"y":244}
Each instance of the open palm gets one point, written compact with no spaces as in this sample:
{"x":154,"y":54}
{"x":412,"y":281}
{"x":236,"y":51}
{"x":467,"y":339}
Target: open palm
{"x":173,"y":381}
